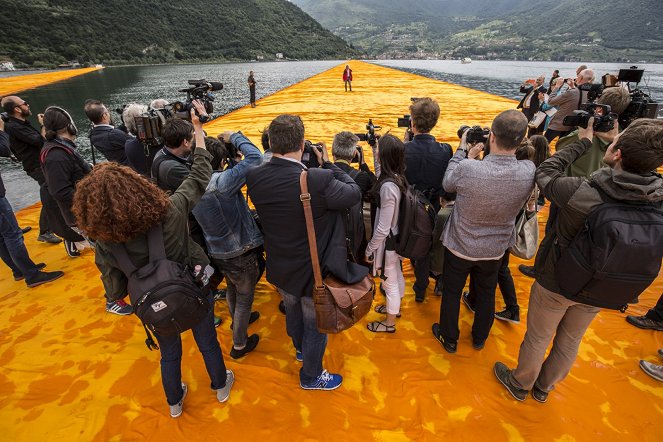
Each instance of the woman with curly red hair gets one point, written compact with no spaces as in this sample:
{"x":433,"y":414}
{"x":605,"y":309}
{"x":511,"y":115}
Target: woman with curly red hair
{"x":115,"y":205}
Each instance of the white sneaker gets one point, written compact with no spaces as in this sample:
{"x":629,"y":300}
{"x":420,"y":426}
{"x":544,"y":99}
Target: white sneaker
{"x":176,"y":410}
{"x":222,"y":394}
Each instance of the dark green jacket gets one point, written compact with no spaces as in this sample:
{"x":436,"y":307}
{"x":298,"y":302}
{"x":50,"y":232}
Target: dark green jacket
{"x":576,"y":198}
{"x":179,"y":245}
{"x":590,"y":161}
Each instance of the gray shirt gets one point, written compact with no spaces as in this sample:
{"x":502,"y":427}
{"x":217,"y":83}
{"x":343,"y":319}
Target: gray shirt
{"x":490,"y":193}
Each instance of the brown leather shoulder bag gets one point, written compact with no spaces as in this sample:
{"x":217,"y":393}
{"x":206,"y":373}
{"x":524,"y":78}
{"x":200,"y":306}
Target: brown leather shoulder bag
{"x":338,"y":305}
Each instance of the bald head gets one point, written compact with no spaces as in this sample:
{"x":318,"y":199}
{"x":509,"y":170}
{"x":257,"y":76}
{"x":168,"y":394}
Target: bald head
{"x":15,"y":106}
{"x":585,"y":76}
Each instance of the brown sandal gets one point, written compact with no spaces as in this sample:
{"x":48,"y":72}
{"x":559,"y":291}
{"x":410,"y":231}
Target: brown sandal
{"x":380,"y":327}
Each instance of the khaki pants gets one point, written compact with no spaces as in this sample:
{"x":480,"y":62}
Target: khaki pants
{"x":550,"y":315}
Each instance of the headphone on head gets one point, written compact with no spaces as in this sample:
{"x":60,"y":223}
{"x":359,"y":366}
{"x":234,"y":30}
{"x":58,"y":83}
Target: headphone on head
{"x":71,"y":126}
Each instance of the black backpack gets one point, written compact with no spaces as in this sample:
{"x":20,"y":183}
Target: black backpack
{"x":615,"y":257}
{"x":163,"y":293}
{"x":416,"y":221}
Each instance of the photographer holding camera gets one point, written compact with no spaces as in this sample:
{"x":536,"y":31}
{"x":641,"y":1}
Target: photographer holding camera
{"x":567,"y":102}
{"x":345,"y":150}
{"x":232,"y":235}
{"x":104,"y":136}
{"x":490,"y":194}
{"x":426,"y":162}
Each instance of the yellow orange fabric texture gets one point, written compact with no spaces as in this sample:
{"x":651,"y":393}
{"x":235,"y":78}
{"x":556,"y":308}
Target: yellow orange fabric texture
{"x":70,"y":371}
{"x":12,"y":85}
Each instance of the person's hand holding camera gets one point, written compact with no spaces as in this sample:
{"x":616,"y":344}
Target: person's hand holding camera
{"x":587,"y":132}
{"x":321,"y":152}
{"x":463,"y":143}
{"x":610,"y":135}
{"x":197,"y":111}
{"x":475,"y":150}
{"x":225,"y":136}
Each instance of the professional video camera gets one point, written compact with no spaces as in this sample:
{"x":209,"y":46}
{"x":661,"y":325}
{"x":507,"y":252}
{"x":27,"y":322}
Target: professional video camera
{"x":309,"y":159}
{"x":604,"y":120}
{"x":199,"y":90}
{"x":642,"y":105}
{"x":148,"y":127}
{"x":475,"y":134}
{"x":370,"y":136}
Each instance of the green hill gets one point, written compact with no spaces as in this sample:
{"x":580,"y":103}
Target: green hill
{"x":592,"y":30}
{"x":47,"y":32}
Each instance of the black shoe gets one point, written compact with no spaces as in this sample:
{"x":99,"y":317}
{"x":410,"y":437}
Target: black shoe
{"x":478,"y":345}
{"x":251,"y":344}
{"x":448,"y":345}
{"x":503,"y":375}
{"x":253,"y":318}
{"x":25,"y":230}
{"x":20,"y":276}
{"x":49,"y":238}
{"x":645,"y":322}
{"x":466,"y":301}
{"x":539,"y":395}
{"x":282,"y":307}
{"x":71,"y":249}
{"x":438,"y":287}
{"x":512,"y":316}
{"x":527,"y":270}
{"x":419,"y":297}
{"x":43,"y":277}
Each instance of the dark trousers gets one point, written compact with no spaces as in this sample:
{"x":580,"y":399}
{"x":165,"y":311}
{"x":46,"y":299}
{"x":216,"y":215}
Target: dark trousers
{"x":505,"y":283}
{"x":421,"y":274}
{"x":552,"y":134}
{"x":454,"y":276}
{"x":49,"y":207}
{"x":301,"y":326}
{"x":12,"y":247}
{"x":171,"y":357}
{"x":656,"y":313}
{"x":252,"y":93}
{"x":241,"y":276}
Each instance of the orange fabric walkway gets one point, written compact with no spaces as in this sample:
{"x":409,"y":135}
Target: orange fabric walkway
{"x":12,"y":85}
{"x":70,"y":371}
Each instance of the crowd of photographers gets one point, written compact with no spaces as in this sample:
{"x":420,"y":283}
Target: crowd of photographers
{"x":176,"y":195}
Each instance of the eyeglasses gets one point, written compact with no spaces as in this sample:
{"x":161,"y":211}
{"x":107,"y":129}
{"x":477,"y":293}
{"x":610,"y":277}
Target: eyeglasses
{"x":25,"y":103}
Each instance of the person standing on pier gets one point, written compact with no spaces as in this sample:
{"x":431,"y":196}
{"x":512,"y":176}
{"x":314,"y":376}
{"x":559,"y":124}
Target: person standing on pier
{"x":26,"y":143}
{"x":252,"y":89}
{"x":347,"y":77}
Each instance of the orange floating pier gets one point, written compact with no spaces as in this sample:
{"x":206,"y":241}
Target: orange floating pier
{"x":70,"y":371}
{"x":13,"y":85}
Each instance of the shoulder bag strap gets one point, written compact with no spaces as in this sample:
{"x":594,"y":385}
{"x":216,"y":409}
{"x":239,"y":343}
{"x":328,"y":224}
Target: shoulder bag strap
{"x":120,"y":254}
{"x":305,"y":198}
{"x":155,"y":243}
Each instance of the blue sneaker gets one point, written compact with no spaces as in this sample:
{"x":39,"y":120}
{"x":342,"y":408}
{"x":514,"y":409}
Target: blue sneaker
{"x":298,"y":356}
{"x":326,"y":381}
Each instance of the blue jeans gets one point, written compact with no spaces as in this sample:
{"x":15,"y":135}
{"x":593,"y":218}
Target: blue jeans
{"x":242,"y":276}
{"x":12,"y":248}
{"x":171,"y":358}
{"x":302,"y":329}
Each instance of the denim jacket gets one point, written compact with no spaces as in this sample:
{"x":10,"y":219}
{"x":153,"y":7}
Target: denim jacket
{"x":223,"y":213}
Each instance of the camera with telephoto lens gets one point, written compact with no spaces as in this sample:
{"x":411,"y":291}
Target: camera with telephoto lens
{"x":641,"y":105}
{"x":199,"y":90}
{"x":604,"y":120}
{"x":370,"y":136}
{"x":309,"y":158}
{"x":475,"y":134}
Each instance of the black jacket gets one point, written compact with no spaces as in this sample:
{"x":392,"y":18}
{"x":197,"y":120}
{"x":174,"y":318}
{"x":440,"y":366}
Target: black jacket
{"x":25,"y":141}
{"x":533,"y":102}
{"x":63,"y":167}
{"x":110,"y":142}
{"x":426,"y":162}
{"x":169,"y":170}
{"x":6,"y":153}
{"x":365,"y":179}
{"x":274,"y":190}
{"x":136,"y":158}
